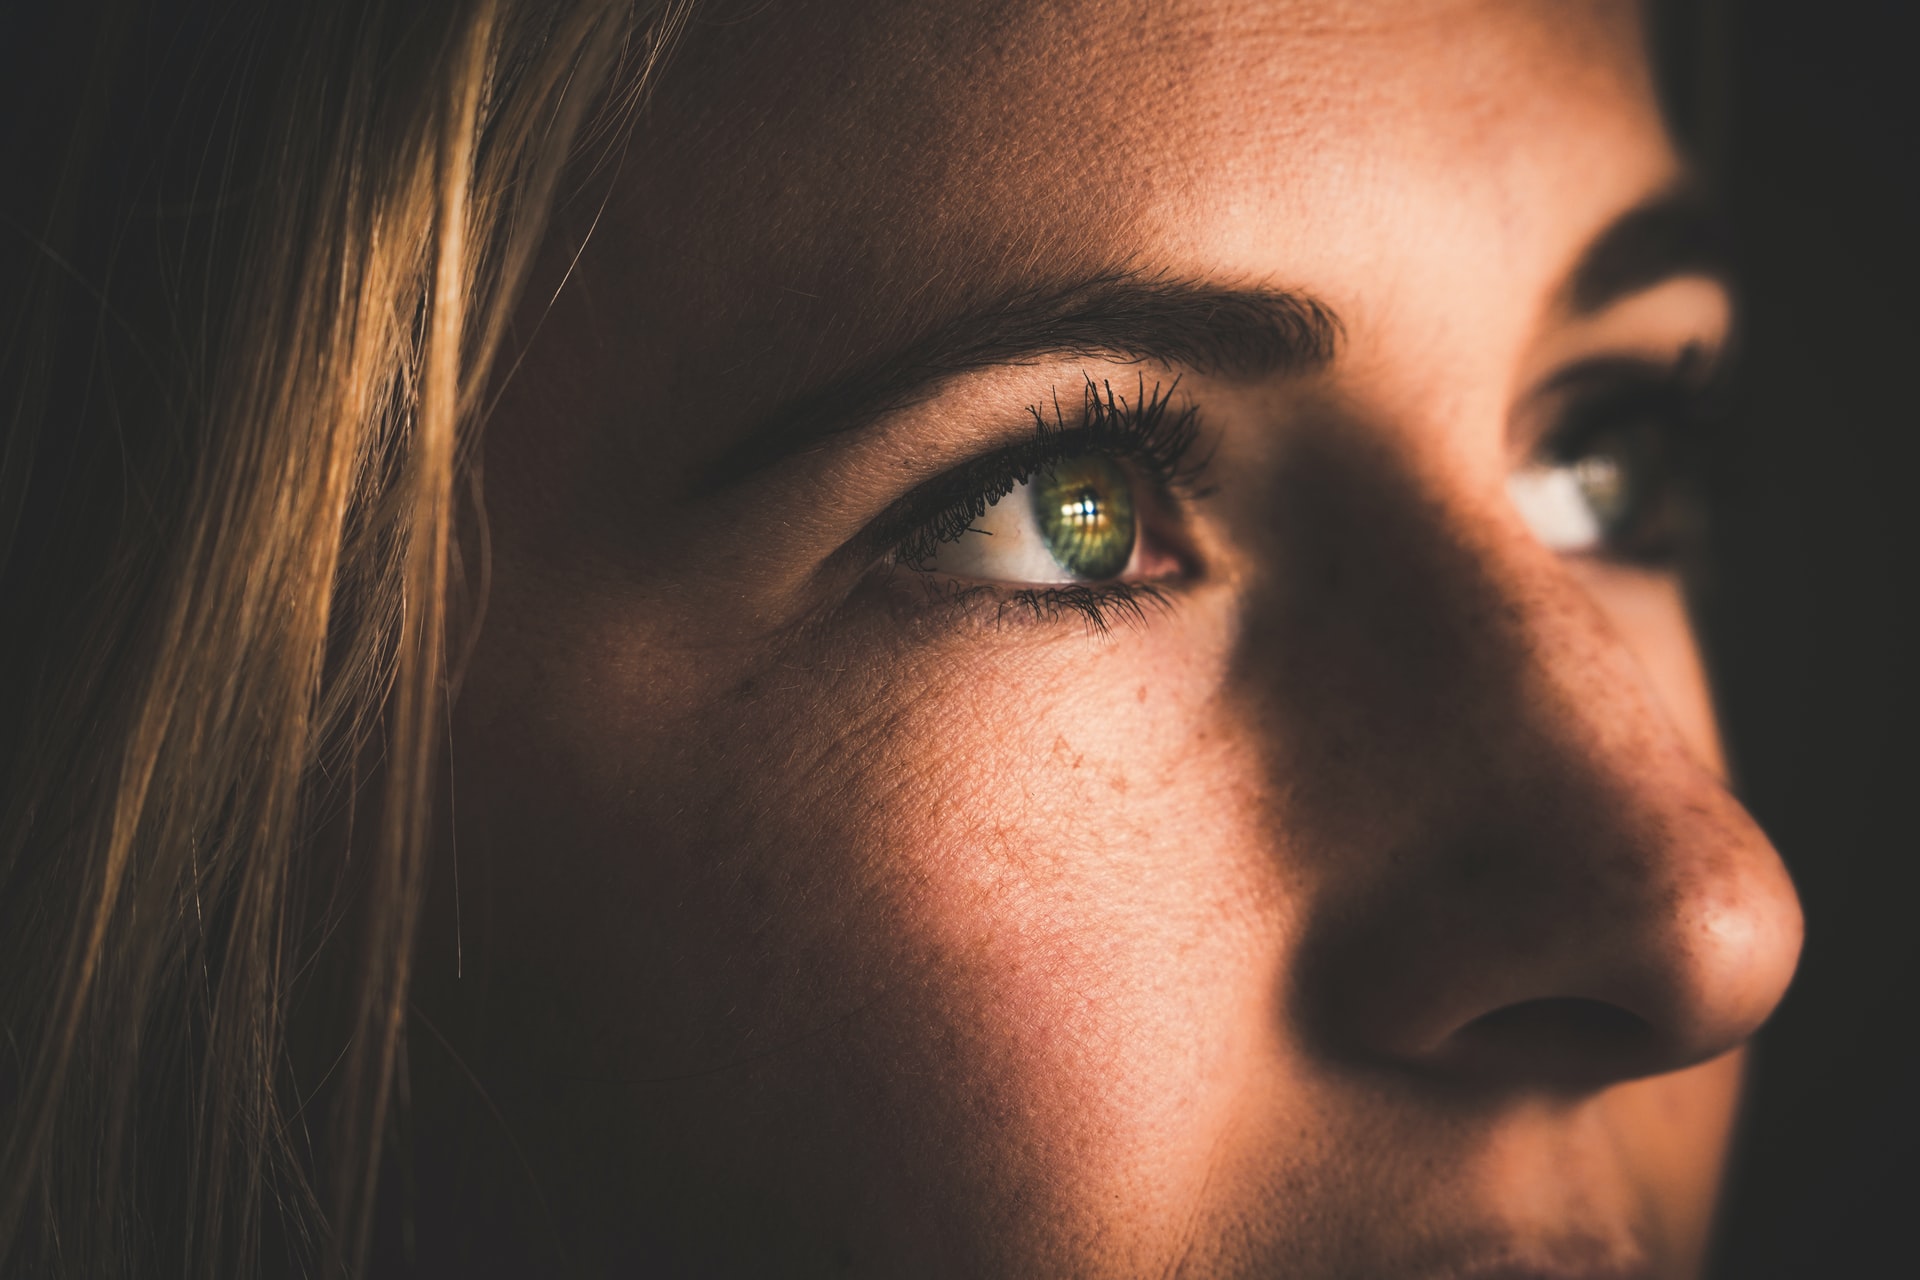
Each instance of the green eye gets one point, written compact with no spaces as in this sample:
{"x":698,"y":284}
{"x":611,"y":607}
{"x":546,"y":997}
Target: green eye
{"x":1607,"y":486}
{"x":1613,"y":496}
{"x":1084,"y":509}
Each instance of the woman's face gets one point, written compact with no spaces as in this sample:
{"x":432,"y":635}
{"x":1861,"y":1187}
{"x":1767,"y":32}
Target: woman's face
{"x":1084,"y":673}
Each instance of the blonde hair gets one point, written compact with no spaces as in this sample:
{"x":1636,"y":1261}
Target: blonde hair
{"x":258,"y":268}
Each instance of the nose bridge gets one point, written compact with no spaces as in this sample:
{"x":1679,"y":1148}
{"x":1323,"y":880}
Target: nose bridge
{"x":1518,"y":860}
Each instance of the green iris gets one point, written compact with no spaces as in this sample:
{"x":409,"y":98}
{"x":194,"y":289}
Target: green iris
{"x":1605,"y":480}
{"x":1084,"y":508}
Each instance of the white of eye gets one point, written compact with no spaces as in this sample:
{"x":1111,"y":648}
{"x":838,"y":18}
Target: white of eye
{"x":1003,"y":545}
{"x":1561,"y":502}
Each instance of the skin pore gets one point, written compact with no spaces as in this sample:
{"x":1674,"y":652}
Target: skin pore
{"x":1365,"y":899}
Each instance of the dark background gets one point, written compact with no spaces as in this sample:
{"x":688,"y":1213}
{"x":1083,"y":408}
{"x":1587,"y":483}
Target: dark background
{"x":1804,"y":114}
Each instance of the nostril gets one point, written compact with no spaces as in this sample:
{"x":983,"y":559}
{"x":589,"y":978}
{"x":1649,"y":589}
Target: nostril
{"x":1568,"y":1042}
{"x":1581,"y":1025}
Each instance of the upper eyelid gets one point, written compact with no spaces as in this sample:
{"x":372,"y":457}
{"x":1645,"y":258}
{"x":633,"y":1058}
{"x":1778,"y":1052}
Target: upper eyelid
{"x":1696,"y":362}
{"x":1543,"y":415}
{"x":1654,"y":324}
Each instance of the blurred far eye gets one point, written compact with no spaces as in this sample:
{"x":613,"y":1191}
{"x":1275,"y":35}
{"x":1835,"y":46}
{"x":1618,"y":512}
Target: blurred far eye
{"x":1570,"y":506}
{"x":1075,"y":522}
{"x":1612,"y":497}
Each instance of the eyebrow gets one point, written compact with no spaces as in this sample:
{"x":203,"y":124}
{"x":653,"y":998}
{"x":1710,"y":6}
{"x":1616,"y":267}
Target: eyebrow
{"x":1135,"y":317}
{"x":1116,"y":314}
{"x":1674,"y":234}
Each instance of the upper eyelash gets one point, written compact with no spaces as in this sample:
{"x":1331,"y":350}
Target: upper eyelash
{"x":1146,"y":431}
{"x":1688,"y":398}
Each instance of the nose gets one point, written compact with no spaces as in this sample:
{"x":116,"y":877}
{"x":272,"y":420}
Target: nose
{"x":1520,"y":872}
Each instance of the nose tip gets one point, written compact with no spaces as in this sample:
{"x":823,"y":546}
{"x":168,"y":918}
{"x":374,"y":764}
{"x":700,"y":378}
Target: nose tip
{"x":1734,"y":943}
{"x":1593,"y":939}
{"x":1695,"y":976}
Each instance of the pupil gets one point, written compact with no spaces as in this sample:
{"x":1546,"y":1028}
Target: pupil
{"x":1085,"y":513}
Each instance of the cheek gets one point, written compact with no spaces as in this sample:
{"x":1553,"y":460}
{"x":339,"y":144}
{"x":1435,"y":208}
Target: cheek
{"x":1083,"y":938}
{"x":942,"y":912}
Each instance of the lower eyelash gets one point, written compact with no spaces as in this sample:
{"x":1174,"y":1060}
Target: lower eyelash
{"x":1100,"y":605}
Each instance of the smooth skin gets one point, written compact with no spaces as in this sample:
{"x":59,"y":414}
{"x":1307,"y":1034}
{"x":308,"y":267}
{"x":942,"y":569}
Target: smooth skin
{"x":1376,"y":907}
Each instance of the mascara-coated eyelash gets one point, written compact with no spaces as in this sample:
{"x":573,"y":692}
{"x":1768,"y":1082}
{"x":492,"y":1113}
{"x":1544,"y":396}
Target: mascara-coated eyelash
{"x":1147,"y":433}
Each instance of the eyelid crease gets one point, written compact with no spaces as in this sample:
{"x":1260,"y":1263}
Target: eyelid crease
{"x":1562,"y":410}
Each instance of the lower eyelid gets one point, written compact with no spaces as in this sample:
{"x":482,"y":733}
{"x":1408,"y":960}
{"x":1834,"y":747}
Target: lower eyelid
{"x":1101,"y":607}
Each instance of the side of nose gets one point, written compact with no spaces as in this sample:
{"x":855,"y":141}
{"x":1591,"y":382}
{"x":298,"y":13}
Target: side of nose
{"x":1522,"y":873}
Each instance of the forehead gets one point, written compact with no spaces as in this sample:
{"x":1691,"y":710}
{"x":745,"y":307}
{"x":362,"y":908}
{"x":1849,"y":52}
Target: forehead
{"x":816,"y":178}
{"x":1018,"y":114}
